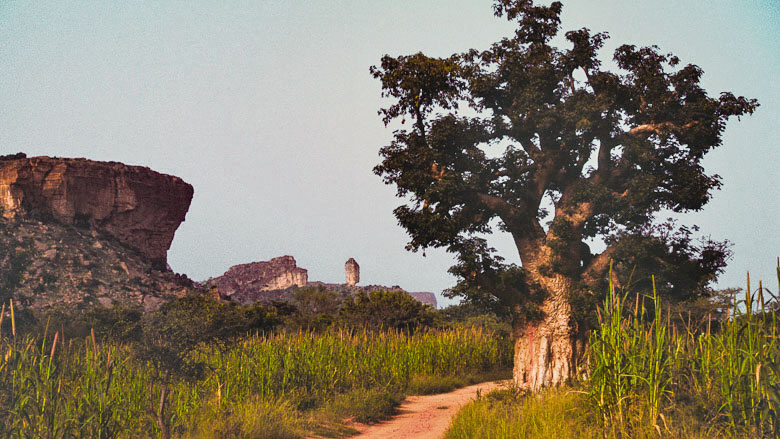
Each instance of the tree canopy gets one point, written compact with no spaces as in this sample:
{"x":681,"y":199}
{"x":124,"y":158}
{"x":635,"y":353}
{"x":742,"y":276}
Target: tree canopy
{"x":611,"y":150}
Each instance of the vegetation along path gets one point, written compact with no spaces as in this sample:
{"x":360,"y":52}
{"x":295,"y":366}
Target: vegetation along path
{"x":425,"y":417}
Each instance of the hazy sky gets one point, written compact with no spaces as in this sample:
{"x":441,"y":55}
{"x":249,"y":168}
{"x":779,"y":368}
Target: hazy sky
{"x":268,"y":110}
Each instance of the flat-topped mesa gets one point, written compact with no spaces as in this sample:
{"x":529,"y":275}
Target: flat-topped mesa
{"x":244,"y":283}
{"x":139,"y":207}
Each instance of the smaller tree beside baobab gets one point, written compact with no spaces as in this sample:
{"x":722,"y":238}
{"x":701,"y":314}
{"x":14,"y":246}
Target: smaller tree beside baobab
{"x":607,"y":150}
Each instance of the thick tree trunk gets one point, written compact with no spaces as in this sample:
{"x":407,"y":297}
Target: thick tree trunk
{"x":547,"y":349}
{"x":543,"y":347}
{"x":548,"y":346}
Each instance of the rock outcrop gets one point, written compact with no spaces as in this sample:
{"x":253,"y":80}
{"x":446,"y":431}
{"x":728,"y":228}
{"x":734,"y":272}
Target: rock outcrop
{"x":246,"y":283}
{"x":425,"y":297}
{"x":352,"y":270}
{"x":276,"y":280}
{"x":49,"y":265}
{"x":139,"y":207}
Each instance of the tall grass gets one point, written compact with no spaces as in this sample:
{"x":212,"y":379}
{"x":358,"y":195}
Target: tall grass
{"x":639,"y":364}
{"x":53,"y":388}
{"x":646,"y":377}
{"x":628,"y":358}
{"x":307,"y":365}
{"x":506,"y":414}
{"x":557,"y":413}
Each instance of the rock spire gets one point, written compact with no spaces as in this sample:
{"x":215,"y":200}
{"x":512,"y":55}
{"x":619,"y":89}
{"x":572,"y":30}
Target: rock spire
{"x":352,"y":270}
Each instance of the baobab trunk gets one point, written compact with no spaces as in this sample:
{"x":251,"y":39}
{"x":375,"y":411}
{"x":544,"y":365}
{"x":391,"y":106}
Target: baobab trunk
{"x":546,"y":349}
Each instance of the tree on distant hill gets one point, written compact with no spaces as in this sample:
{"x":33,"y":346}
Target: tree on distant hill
{"x":549,"y":126}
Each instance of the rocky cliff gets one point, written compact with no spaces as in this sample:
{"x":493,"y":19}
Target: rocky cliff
{"x":139,"y":207}
{"x":50,"y":265}
{"x":246,"y":283}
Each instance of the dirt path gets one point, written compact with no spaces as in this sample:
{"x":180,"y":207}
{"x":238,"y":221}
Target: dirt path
{"x":425,"y":417}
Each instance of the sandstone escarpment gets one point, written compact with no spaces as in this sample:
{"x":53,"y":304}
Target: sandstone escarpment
{"x":139,"y":207}
{"x":246,"y":283}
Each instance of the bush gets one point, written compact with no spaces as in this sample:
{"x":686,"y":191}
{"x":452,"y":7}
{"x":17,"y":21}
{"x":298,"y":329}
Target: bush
{"x":388,"y":310}
{"x":313,"y":308}
{"x":172,"y":333}
{"x":469,"y":315}
{"x":252,"y":419}
{"x":365,"y":405}
{"x":117,"y":323}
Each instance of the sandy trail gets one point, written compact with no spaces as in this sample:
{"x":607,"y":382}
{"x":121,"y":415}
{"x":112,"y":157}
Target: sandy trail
{"x":425,"y":417}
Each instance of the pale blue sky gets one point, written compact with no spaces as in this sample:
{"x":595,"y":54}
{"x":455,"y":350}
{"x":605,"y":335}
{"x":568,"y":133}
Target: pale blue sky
{"x":268,"y":110}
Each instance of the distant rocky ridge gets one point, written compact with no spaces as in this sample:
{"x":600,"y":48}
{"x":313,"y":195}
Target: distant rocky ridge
{"x":274,"y":280}
{"x":425,"y":297}
{"x":139,"y":207}
{"x":245,"y":283}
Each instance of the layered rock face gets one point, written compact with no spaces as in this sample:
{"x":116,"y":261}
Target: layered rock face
{"x":245,"y":283}
{"x":352,"y":270}
{"x":139,"y":207}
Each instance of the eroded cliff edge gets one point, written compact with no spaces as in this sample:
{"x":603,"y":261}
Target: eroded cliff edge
{"x":139,"y":207}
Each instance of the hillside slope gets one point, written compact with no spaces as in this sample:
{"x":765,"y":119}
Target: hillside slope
{"x":51,"y":265}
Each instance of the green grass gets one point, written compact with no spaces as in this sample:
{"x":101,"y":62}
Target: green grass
{"x":646,"y":378}
{"x":362,"y":405}
{"x":505,"y":414}
{"x":264,"y":385}
{"x":432,"y":384}
{"x":271,"y":419}
{"x":557,"y":413}
{"x":639,"y":366}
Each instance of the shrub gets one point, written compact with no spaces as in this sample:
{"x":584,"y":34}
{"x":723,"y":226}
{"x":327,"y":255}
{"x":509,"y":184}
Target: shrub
{"x":470,"y":315}
{"x":170,"y":334}
{"x":387,"y":309}
{"x":122,"y":323}
{"x":251,"y":419}
{"x":365,"y":405}
{"x":313,"y":308}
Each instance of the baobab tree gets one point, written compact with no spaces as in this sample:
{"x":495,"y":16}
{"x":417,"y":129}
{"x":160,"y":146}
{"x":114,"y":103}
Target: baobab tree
{"x":603,"y":151}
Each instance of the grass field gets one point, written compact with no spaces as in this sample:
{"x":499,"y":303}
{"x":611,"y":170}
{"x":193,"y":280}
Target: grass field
{"x":647,"y":374}
{"x":646,"y":377}
{"x":273,"y":385}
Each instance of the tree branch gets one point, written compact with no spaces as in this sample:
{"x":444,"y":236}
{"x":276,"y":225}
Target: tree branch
{"x":530,"y":148}
{"x":587,"y":78}
{"x":420,"y":122}
{"x":597,"y":270}
{"x":500,"y":206}
{"x":656,"y":128}
{"x":585,"y":153}
{"x":604,"y":159}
